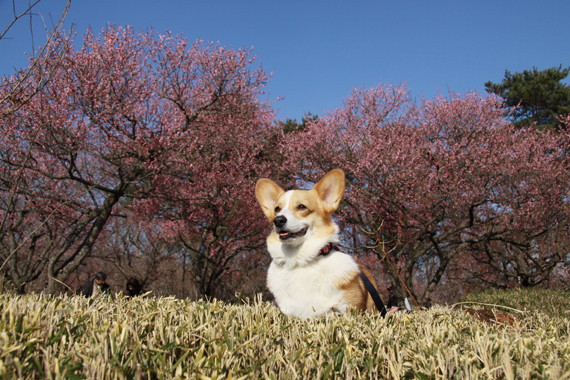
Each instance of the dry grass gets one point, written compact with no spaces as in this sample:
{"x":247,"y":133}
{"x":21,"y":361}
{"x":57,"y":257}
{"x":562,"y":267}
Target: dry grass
{"x":148,"y":338}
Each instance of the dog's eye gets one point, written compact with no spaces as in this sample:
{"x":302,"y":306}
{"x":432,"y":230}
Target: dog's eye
{"x":277,"y":209}
{"x":301,"y":207}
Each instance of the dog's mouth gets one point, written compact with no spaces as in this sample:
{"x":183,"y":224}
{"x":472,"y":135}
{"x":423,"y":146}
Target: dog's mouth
{"x":286,"y":235}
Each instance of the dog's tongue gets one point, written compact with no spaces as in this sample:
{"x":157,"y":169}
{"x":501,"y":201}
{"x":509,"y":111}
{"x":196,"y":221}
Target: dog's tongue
{"x":284,"y":234}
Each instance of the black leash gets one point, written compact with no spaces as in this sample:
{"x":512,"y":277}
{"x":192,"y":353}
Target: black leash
{"x":374,"y":294}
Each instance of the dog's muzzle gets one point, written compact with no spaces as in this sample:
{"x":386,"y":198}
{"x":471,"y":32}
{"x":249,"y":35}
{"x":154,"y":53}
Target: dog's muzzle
{"x":284,"y":234}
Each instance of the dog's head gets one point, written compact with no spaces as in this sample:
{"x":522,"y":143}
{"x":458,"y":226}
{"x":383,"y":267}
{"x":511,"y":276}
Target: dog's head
{"x":297,"y":215}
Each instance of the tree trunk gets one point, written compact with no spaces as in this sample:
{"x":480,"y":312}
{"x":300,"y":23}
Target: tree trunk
{"x":58,"y":273}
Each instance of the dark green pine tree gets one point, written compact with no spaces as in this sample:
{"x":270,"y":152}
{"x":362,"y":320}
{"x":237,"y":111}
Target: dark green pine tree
{"x":292,"y":126}
{"x":540,"y":96}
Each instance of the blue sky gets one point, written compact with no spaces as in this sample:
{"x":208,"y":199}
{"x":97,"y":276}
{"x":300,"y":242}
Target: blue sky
{"x":319,"y":50}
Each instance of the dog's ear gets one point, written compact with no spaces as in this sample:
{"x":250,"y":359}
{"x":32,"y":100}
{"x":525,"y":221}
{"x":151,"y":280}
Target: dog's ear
{"x":331,"y":189}
{"x":267,"y":193}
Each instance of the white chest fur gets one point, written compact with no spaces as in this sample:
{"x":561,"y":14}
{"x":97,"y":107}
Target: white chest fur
{"x":312,"y":289}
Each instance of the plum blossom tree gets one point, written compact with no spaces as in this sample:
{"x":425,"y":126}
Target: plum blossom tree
{"x":211,"y":202}
{"x":431,"y":181}
{"x":52,"y":50}
{"x":147,"y":119}
{"x":21,"y":88}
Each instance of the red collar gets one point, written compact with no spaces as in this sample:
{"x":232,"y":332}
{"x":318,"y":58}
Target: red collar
{"x":327,"y":249}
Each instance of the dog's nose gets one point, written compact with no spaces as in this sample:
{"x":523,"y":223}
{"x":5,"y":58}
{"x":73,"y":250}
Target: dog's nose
{"x":279,"y":221}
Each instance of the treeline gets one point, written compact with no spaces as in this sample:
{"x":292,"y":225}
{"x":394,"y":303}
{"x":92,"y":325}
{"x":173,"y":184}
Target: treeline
{"x":137,"y":154}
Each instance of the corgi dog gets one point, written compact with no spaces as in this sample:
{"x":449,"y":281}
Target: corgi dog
{"x":308,"y":275}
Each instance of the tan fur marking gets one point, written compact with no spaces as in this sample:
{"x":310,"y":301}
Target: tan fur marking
{"x":320,"y":220}
{"x":330,"y":189}
{"x":355,"y":292}
{"x":268,"y":194}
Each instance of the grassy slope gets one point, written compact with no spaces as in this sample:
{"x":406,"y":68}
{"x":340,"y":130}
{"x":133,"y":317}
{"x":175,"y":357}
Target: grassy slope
{"x":43,"y":337}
